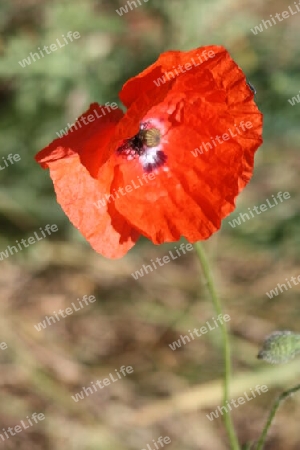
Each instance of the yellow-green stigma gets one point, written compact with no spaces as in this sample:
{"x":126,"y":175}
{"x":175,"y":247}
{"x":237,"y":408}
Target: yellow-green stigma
{"x":151,"y":137}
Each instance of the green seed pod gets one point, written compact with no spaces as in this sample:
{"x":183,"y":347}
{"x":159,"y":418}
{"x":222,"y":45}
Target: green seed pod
{"x":151,"y":137}
{"x":280,"y":347}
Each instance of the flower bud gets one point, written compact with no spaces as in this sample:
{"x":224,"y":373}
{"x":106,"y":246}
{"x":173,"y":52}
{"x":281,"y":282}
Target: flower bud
{"x":280,"y":347}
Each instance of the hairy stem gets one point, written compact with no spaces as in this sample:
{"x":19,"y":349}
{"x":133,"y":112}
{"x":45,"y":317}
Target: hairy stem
{"x":226,"y":344}
{"x":283,"y":396}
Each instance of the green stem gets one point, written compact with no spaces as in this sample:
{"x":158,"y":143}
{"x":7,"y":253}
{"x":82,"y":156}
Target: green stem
{"x":226,"y":345}
{"x":273,"y":411}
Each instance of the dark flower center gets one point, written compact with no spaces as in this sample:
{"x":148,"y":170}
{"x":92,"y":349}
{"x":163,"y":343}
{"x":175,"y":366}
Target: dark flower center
{"x":143,"y":146}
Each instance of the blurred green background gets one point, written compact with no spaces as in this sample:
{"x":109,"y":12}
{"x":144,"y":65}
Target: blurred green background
{"x":132,"y":322}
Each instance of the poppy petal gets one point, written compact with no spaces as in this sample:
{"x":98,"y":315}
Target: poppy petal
{"x":191,"y":195}
{"x":168,"y":62}
{"x":89,"y":137}
{"x":171,"y":166}
{"x":75,"y":161}
{"x":79,"y":194}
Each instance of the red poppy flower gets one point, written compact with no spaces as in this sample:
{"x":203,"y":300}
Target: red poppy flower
{"x":171,"y":166}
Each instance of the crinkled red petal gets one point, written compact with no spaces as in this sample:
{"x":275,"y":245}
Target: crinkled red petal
{"x":166,"y":63}
{"x":191,"y":195}
{"x":82,"y":175}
